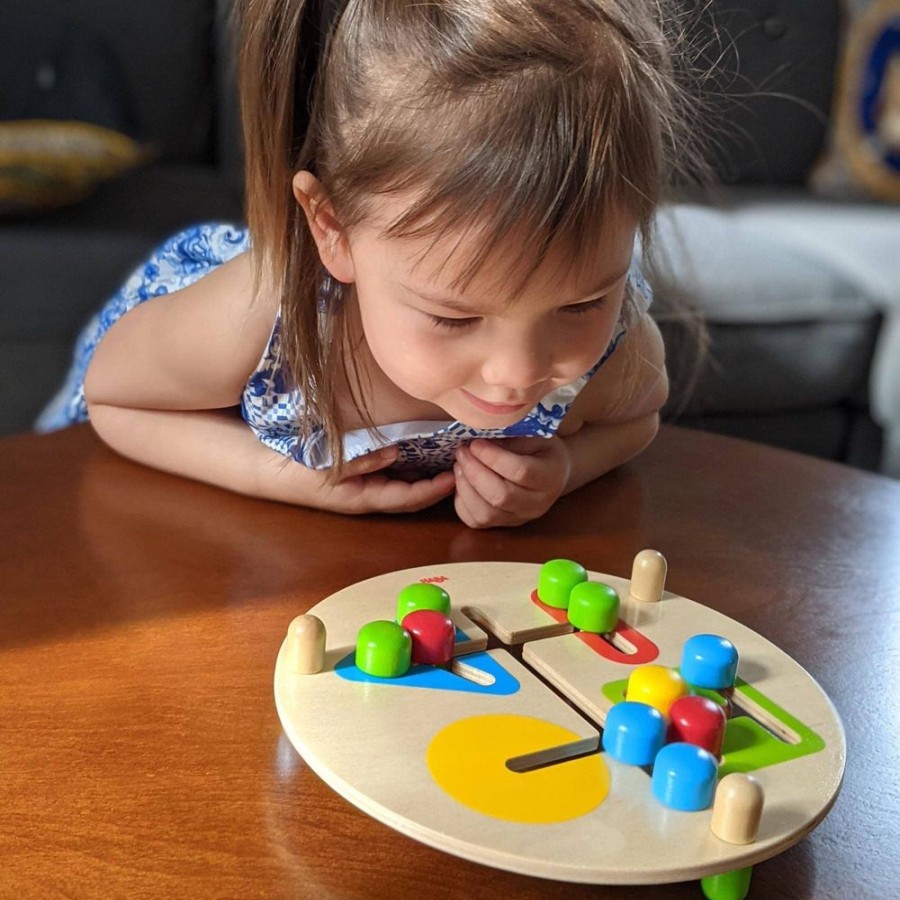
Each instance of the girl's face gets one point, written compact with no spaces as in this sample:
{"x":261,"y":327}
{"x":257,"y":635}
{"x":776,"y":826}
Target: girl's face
{"x":487,"y":355}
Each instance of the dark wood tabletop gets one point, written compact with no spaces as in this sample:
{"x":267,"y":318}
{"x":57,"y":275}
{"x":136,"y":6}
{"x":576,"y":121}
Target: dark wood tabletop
{"x":140,"y":617}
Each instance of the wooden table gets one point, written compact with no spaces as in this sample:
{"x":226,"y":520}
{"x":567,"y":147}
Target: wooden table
{"x":140,"y":751}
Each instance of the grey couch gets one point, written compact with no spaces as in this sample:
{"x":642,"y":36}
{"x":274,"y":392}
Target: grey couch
{"x":801,"y":295}
{"x":57,"y":267}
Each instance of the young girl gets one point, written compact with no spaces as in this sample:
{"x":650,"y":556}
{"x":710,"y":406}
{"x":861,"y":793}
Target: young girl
{"x":439,"y":296}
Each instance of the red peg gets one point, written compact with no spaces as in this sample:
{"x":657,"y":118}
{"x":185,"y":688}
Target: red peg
{"x":699,"y":721}
{"x":433,"y":636}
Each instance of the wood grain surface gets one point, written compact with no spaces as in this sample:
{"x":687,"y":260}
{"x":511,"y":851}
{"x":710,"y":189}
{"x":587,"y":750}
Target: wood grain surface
{"x":140,"y":617}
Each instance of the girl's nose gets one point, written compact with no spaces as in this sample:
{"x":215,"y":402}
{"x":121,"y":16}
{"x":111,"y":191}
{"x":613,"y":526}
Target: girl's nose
{"x":516,"y":364}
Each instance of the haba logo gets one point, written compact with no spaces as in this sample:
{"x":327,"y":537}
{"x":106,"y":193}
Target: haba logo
{"x":434,"y":579}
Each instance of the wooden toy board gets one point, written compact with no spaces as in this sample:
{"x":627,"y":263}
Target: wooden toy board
{"x":429,"y":758}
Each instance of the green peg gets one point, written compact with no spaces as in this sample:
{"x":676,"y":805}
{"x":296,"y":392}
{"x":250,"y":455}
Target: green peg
{"x":556,"y":580}
{"x":594,"y":607}
{"x":727,"y":886}
{"x":383,"y":649}
{"x":422,"y":596}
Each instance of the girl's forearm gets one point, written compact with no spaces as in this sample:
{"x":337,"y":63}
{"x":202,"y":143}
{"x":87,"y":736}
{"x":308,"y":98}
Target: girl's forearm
{"x":597,"y":449}
{"x":217,"y":447}
{"x":213,"y":446}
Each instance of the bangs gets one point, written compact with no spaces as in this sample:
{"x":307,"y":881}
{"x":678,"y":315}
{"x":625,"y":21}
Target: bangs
{"x":528,"y":167}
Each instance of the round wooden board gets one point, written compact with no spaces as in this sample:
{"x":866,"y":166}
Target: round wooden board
{"x":370,"y":741}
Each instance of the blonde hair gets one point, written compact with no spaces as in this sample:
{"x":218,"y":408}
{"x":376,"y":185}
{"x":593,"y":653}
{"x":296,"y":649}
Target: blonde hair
{"x":542,"y":115}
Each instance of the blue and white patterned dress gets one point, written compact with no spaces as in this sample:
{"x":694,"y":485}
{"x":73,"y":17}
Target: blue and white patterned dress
{"x":273,"y":409}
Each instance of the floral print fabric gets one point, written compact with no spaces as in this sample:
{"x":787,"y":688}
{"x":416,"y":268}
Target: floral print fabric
{"x":270,"y":406}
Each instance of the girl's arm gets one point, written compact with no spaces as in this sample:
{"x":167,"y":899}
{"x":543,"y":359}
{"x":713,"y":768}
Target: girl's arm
{"x":617,"y":414}
{"x":164,"y":382}
{"x":217,"y":447}
{"x":596,"y":449}
{"x":194,"y":349}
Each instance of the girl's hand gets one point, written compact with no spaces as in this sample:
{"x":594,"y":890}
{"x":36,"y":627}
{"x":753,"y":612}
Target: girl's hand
{"x":511,"y":481}
{"x":364,"y":489}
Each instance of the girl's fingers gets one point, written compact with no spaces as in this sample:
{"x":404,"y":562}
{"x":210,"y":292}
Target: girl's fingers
{"x":371,"y":462}
{"x":462,"y":502}
{"x":524,"y":446}
{"x":508,"y":464}
{"x":391,"y":495}
{"x":471,"y":507}
{"x":496,"y":490}
{"x":462,"y":510}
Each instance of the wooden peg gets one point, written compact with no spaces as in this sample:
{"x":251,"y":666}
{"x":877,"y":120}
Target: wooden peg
{"x":306,"y":645}
{"x":648,"y":576}
{"x":737,"y":809}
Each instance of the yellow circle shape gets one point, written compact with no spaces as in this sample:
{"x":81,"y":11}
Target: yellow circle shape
{"x":468,"y":759}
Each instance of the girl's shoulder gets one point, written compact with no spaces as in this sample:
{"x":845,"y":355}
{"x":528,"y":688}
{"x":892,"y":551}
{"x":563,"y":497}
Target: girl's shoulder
{"x":178,"y":262}
{"x":629,"y":379}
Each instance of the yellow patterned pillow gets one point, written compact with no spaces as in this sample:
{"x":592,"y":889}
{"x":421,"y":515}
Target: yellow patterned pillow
{"x":863,"y":156}
{"x":45,"y":164}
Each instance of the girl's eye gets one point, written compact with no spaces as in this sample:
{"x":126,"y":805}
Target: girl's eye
{"x":444,"y":322}
{"x":581,"y":308}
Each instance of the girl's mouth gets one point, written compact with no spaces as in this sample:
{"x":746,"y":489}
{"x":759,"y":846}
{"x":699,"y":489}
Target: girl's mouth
{"x":495,"y":409}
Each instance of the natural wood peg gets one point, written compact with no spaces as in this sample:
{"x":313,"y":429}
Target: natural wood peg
{"x":737,"y":809}
{"x":648,"y":576}
{"x":306,"y":645}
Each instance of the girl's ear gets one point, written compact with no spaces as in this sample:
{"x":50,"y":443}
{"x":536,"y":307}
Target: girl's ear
{"x":327,"y":231}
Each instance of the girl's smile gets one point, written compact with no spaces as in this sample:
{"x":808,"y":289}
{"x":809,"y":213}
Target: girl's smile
{"x":496,"y":409}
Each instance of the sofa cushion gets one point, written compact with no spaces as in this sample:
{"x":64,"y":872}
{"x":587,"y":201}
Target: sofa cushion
{"x":30,"y":372}
{"x":844,"y":433}
{"x":66,"y":117}
{"x":167,"y":49}
{"x":772,"y":65}
{"x":859,"y":241}
{"x":791,"y":326}
{"x":59,"y":268}
{"x":58,"y":68}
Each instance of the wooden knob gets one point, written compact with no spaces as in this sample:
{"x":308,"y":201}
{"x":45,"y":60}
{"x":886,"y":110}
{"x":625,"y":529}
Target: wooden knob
{"x":648,"y":576}
{"x":737,"y":809}
{"x":306,"y":645}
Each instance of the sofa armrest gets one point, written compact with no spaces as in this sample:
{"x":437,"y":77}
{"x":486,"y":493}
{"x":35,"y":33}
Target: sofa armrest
{"x":885,"y":392}
{"x":860,"y":241}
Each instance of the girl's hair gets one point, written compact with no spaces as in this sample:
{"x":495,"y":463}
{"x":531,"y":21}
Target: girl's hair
{"x":537,"y":115}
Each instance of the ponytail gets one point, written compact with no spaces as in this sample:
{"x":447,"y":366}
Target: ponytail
{"x":282,"y":44}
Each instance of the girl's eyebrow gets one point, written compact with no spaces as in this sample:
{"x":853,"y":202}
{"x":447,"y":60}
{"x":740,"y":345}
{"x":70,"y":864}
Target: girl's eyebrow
{"x":461,"y":306}
{"x":605,"y":286}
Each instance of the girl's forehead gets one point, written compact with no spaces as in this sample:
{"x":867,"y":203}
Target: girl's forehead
{"x":441,"y":261}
